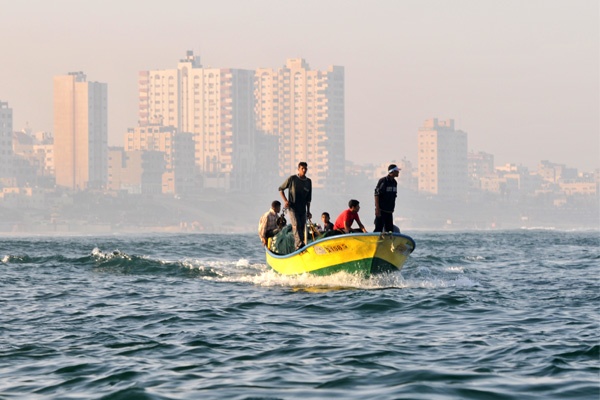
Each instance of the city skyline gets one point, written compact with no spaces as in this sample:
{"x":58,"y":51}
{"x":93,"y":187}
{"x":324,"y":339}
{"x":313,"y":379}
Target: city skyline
{"x":520,"y":79}
{"x":153,"y":182}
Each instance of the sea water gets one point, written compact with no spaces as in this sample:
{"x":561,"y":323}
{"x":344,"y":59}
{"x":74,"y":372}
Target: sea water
{"x":472,"y":315}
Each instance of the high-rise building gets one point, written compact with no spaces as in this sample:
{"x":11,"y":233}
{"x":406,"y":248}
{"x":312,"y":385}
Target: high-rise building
{"x":80,"y":132}
{"x":6,"y":128}
{"x":178,"y":151}
{"x":443,"y":166}
{"x":136,"y":171}
{"x":481,"y":165}
{"x":33,"y":158}
{"x":215,"y":105}
{"x":304,"y":108}
{"x":553,"y":172}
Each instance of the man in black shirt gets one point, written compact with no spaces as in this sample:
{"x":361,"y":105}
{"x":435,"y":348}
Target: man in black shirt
{"x":385,"y":200}
{"x":298,"y":201}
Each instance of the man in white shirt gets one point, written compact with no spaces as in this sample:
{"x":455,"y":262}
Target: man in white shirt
{"x":267,"y":226}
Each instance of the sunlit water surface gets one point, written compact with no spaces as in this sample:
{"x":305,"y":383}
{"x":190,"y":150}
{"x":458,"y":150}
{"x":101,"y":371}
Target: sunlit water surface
{"x":473,"y":315}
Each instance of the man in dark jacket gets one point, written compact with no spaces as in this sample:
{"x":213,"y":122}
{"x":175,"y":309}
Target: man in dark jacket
{"x":298,"y":202}
{"x":385,"y":200}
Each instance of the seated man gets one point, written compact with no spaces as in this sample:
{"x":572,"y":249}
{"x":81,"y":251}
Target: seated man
{"x":343,"y":223}
{"x":327,"y":225}
{"x":267,"y":226}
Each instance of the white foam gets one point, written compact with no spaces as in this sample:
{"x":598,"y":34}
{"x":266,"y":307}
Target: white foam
{"x":266,"y":277}
{"x":475,"y":258}
{"x":216,"y":264}
{"x":260,"y":274}
{"x":464,"y":281}
{"x":242,"y":263}
{"x":440,"y":283}
{"x":97,"y":253}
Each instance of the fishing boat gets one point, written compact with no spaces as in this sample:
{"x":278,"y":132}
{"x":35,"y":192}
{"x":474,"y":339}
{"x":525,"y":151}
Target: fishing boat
{"x":355,"y":253}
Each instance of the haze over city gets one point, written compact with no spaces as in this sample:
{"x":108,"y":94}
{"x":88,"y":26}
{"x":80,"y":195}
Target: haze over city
{"x":300,"y":199}
{"x":521,"y":78}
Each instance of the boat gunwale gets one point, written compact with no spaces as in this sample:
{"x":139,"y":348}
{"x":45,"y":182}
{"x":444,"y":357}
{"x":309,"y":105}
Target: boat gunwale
{"x":345,"y":235}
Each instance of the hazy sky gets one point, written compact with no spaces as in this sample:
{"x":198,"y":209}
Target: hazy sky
{"x":521,"y":77}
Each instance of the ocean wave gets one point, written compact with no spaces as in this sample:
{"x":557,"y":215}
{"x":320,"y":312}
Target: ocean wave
{"x":509,"y":315}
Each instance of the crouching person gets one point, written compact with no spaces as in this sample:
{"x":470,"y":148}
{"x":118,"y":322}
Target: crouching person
{"x":343,"y":223}
{"x":267,"y":226}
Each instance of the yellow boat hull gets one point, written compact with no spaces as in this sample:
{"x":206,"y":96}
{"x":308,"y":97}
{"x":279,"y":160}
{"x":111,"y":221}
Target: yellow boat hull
{"x":362,"y":253}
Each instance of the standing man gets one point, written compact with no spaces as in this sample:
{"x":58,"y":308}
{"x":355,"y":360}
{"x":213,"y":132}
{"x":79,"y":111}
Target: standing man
{"x":298,"y":201}
{"x":267,"y":226}
{"x":385,"y":200}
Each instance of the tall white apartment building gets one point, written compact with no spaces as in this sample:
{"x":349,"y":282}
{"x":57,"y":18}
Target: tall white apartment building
{"x":6,"y":129}
{"x":443,"y":165}
{"x":215,"y":105}
{"x":304,"y":108}
{"x":80,"y":132}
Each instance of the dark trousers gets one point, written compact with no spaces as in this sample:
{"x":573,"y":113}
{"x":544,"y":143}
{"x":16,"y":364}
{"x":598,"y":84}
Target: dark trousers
{"x":333,"y":232}
{"x":385,"y":222}
{"x":298,"y":221}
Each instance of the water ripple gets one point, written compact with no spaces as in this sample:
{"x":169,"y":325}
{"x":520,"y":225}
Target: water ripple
{"x":500,"y":315}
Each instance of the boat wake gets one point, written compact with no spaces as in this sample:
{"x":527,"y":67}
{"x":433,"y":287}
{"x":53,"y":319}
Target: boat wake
{"x":262,"y":275}
{"x":248,"y":271}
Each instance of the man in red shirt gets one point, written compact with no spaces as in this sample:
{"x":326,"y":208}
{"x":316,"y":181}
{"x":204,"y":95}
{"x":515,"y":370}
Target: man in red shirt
{"x":344,"y":221}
